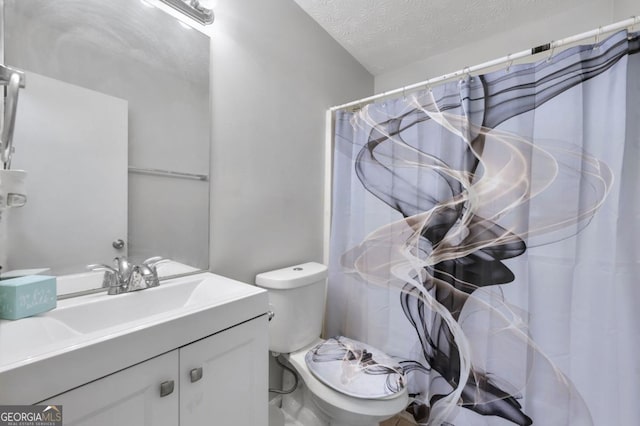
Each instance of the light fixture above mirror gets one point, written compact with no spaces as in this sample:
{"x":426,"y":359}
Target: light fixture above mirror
{"x":194,"y":9}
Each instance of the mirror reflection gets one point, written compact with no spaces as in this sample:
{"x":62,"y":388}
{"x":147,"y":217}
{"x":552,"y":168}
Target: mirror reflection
{"x":113,"y":131}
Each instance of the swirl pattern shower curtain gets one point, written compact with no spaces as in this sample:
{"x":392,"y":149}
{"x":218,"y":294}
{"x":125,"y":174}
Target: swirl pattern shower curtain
{"x":485,"y":234}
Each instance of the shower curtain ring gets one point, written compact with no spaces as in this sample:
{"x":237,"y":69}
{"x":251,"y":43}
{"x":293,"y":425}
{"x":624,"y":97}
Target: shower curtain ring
{"x":427,"y":86}
{"x":509,"y":63}
{"x":595,"y":45}
{"x":465,"y":72}
{"x":551,"y":50}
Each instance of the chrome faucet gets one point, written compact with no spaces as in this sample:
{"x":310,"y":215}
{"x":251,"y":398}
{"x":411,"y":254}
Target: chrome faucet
{"x":125,"y":277}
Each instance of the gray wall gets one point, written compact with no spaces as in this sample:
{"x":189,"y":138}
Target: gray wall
{"x":623,"y":9}
{"x":274,"y":73}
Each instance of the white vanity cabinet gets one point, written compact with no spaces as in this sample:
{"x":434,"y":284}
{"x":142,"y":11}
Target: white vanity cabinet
{"x":128,"y":397}
{"x":104,"y":358}
{"x":218,"y":380}
{"x":231,"y":389}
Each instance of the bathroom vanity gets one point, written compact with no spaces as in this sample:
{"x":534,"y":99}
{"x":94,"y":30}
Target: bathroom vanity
{"x":189,"y":352}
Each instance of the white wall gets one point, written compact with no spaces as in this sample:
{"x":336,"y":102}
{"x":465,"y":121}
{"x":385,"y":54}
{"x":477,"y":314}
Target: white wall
{"x":625,"y":9}
{"x":274,"y":73}
{"x":588,"y":16}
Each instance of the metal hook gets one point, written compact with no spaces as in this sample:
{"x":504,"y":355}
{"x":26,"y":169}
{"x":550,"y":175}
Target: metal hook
{"x":509,"y":63}
{"x":551,"y":51}
{"x":465,"y":72}
{"x":631,"y":28}
{"x":427,"y":86}
{"x":597,"y":41}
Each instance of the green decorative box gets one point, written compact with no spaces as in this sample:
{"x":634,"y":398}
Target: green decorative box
{"x":26,"y":296}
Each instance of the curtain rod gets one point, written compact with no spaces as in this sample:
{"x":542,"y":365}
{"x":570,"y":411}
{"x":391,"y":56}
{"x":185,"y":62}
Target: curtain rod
{"x":626,"y":23}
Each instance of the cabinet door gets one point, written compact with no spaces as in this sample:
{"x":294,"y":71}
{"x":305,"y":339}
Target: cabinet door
{"x":128,"y":397}
{"x":233,"y":387}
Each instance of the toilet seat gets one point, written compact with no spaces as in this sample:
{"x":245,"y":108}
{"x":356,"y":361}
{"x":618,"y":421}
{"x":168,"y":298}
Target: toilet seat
{"x":355,"y":368}
{"x":387,"y":406}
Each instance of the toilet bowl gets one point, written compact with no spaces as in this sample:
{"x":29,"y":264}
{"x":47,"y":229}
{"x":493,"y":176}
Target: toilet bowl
{"x":297,"y":296}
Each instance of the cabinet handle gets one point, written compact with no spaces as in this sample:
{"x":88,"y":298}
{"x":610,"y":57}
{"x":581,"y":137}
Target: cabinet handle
{"x":166,"y":388}
{"x":195,"y":374}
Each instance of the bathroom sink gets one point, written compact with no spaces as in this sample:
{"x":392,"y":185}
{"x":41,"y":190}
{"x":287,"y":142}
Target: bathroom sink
{"x":88,"y":337}
{"x":151,"y":305}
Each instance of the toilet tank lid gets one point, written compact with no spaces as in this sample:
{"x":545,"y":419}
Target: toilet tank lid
{"x":292,"y":276}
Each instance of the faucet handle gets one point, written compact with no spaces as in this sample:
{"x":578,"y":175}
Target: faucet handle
{"x":149,"y":270}
{"x":152,"y":262}
{"x":101,"y":267}
{"x":150,"y":275}
{"x":110,"y":279}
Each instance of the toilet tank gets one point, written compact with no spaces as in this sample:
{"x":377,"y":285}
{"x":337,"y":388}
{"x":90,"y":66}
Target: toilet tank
{"x":297,"y":297}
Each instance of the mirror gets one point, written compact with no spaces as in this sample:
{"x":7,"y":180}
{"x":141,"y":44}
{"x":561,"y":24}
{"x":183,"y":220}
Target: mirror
{"x":113,"y":127}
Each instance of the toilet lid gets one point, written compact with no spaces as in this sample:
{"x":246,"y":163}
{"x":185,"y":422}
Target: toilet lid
{"x":355,"y":368}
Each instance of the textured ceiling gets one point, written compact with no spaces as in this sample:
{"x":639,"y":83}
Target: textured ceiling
{"x":387,"y":34}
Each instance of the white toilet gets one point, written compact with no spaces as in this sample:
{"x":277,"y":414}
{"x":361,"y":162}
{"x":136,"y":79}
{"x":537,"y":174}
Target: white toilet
{"x":342,"y":382}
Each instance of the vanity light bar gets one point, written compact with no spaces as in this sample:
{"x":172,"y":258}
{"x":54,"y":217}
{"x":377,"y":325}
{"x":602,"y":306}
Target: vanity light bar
{"x":169,"y":173}
{"x":193,"y":10}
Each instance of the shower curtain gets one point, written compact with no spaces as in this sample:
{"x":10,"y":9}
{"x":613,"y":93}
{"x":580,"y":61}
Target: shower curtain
{"x":484,"y":233}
